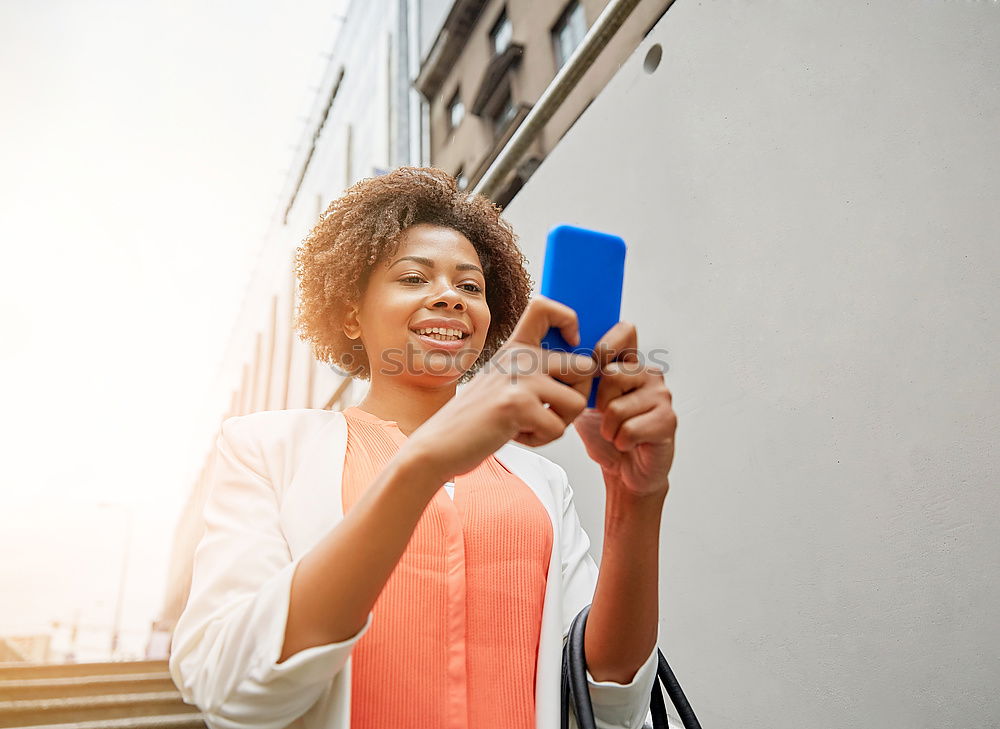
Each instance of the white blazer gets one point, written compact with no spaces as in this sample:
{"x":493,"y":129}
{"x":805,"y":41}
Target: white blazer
{"x":275,"y":492}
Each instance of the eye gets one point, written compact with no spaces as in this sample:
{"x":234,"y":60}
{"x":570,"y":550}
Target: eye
{"x":475,"y":287}
{"x":407,"y":278}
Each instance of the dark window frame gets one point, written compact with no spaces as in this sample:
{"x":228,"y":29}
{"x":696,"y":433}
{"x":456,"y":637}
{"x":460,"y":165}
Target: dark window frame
{"x":502,"y":18}
{"x":498,"y":119}
{"x":455,"y":97}
{"x":562,"y":23}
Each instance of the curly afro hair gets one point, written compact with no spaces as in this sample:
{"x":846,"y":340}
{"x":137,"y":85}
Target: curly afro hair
{"x":362,"y":228}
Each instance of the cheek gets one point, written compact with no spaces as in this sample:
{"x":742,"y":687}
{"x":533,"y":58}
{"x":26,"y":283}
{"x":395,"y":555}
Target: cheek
{"x":483,"y":325}
{"x":387,"y":318}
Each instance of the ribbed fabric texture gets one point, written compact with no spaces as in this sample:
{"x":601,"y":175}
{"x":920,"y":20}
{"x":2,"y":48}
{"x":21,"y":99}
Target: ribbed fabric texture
{"x":454,"y":637}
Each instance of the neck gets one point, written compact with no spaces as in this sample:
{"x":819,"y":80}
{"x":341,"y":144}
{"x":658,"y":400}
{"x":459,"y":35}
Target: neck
{"x":407,"y":404}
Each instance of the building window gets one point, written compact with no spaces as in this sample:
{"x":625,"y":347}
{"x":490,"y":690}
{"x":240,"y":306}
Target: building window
{"x":568,"y":32}
{"x":501,"y":33}
{"x":456,"y":112}
{"x":461,"y":178}
{"x":504,"y":113}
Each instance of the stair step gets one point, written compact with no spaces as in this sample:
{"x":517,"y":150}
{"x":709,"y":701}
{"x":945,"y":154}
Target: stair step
{"x":172,"y":721}
{"x":67,"y":686}
{"x":10,"y":672}
{"x":34,"y":712}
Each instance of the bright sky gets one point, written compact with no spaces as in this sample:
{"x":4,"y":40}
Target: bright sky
{"x":143,"y":147}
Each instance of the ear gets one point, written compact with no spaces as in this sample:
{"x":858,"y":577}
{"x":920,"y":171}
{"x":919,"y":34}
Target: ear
{"x":352,"y":326}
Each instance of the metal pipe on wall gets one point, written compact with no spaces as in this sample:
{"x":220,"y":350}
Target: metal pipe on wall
{"x":615,"y":13}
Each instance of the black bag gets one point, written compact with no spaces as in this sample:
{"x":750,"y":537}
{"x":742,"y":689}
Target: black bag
{"x":576,"y":694}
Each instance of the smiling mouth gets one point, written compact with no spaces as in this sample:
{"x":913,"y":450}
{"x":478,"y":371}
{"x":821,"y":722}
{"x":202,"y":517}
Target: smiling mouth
{"x":440,"y":336}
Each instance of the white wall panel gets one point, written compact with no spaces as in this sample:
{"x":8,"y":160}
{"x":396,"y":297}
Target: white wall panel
{"x":809,"y":194}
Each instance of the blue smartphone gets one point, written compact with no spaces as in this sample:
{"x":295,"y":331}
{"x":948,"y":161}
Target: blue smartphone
{"x":584,"y":269}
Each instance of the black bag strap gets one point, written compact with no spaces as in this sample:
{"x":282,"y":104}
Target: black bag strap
{"x":576,"y":693}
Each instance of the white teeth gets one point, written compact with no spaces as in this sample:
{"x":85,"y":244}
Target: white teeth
{"x":447,"y":334}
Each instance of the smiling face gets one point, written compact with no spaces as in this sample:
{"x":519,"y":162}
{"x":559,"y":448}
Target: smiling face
{"x":433,"y":280}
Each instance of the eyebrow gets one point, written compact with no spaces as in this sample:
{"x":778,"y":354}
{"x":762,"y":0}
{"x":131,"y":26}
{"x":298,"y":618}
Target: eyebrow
{"x":430,"y":264}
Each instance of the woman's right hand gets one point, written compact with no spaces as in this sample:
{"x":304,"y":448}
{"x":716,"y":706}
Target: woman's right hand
{"x":514,"y":396}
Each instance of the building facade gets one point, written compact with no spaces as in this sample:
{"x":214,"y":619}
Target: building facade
{"x":491,"y":61}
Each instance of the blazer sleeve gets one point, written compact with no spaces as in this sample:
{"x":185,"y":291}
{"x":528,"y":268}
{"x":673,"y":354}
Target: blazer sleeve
{"x":228,"y":639}
{"x":616,"y":705}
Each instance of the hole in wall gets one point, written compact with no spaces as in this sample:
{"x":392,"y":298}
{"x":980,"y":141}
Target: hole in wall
{"x":653,"y":57}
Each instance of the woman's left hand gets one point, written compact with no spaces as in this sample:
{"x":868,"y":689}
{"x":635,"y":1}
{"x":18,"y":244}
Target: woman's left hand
{"x":630,"y":433}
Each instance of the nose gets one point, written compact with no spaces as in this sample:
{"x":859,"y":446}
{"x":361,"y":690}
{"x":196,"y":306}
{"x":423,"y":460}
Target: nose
{"x":448,"y":297}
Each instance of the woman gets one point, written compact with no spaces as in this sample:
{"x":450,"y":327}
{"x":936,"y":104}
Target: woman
{"x":402,"y":563}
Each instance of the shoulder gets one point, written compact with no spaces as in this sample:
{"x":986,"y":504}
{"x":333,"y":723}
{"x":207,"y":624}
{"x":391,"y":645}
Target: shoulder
{"x":268,"y":426}
{"x":295,"y":420}
{"x":277,"y":439}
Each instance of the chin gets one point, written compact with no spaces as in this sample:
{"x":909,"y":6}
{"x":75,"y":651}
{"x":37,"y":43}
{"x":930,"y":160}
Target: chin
{"x":431,"y":382}
{"x":438,"y":367}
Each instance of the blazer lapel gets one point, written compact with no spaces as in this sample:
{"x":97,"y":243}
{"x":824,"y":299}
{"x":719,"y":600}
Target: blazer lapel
{"x":313,"y":502}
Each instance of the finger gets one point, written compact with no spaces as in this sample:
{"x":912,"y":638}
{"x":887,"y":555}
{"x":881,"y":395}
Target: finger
{"x":620,"y":342}
{"x":566,"y":402}
{"x":569,"y":367}
{"x":617,"y":378}
{"x":654,"y":426}
{"x":621,"y":409}
{"x":575,"y":370}
{"x":542,"y":426}
{"x":626,"y":391}
{"x":540,"y":315}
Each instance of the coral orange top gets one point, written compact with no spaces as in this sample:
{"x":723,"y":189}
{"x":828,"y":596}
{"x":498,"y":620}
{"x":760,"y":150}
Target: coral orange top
{"x":453,"y":642}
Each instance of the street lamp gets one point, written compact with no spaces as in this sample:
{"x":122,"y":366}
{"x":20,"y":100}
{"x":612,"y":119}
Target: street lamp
{"x":116,"y":629}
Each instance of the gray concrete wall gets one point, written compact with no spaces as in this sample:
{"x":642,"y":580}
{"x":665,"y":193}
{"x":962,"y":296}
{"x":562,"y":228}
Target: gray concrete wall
{"x":809,"y":195}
